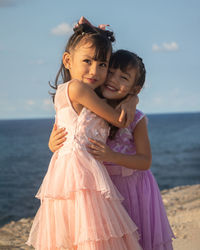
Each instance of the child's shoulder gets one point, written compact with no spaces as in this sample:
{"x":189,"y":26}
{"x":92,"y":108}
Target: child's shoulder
{"x":77,"y":88}
{"x":73,"y":82}
{"x":138,"y":117}
{"x":71,"y":85}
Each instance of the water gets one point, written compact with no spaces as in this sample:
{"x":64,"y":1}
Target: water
{"x":24,"y":158}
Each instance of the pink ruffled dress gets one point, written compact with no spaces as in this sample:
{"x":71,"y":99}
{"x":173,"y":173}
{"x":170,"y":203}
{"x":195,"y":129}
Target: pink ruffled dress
{"x":80,"y":207}
{"x":141,"y":193}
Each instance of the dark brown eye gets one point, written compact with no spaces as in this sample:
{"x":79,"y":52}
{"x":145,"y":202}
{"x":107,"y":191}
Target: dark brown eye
{"x":87,"y":61}
{"x":123,"y":77}
{"x":103,"y":65}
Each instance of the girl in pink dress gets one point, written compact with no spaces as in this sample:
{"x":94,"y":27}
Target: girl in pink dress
{"x":127,"y":157}
{"x":80,"y":207}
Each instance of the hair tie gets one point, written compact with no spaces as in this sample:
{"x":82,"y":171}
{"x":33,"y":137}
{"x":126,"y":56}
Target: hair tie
{"x":83,"y":20}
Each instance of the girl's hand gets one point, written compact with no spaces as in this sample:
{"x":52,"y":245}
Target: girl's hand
{"x":128,"y":108}
{"x":100,"y":151}
{"x":56,"y":138}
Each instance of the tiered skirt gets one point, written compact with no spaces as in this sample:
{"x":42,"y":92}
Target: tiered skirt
{"x":81,"y":208}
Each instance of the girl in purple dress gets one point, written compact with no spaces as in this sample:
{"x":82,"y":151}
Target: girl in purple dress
{"x":127,"y":155}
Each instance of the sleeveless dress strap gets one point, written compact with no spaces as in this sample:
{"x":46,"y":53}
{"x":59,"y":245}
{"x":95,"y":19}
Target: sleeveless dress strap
{"x":62,"y":99}
{"x":138,"y":117}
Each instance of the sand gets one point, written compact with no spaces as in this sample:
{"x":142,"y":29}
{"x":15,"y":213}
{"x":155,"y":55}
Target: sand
{"x":183,"y":209}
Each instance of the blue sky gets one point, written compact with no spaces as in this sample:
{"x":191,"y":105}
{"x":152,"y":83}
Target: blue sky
{"x":165,"y":34}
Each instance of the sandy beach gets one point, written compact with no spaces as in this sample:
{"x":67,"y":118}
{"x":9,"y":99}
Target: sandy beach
{"x":183,"y":209}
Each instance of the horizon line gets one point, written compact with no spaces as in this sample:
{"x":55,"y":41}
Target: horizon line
{"x":51,"y":117}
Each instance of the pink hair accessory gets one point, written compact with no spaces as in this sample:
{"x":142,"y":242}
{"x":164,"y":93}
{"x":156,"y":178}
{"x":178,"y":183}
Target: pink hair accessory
{"x":103,"y":26}
{"x":84,"y":20}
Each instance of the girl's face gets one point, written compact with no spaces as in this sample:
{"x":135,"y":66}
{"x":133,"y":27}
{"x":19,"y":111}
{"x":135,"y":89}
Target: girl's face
{"x":82,"y":65}
{"x":119,"y":83}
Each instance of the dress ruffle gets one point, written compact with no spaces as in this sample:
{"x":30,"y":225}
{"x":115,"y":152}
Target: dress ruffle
{"x":68,"y":223}
{"x":144,"y":205}
{"x":81,"y":208}
{"x":69,"y":173}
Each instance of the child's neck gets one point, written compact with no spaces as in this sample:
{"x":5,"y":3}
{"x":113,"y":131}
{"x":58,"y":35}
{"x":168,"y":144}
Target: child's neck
{"x":113,"y":103}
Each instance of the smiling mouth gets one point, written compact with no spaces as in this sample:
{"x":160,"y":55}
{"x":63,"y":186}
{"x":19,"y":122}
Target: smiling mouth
{"x":111,"y":88}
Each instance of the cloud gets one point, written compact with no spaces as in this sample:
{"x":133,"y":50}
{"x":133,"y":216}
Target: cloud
{"x":30,"y":102}
{"x":62,"y":29}
{"x":158,"y":100}
{"x":26,"y":108}
{"x":170,"y":46}
{"x":47,"y":104}
{"x":173,"y":46}
{"x":174,"y":100}
{"x":155,"y":47}
{"x":38,"y":105}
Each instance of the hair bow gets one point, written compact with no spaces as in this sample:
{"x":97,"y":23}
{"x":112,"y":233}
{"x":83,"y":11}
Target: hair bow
{"x":83,"y":20}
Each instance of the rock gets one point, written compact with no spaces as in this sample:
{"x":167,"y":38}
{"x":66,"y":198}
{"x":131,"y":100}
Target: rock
{"x":14,"y":235}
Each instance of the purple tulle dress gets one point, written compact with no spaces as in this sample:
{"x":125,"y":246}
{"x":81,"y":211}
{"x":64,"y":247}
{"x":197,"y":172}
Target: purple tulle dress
{"x":142,"y":198}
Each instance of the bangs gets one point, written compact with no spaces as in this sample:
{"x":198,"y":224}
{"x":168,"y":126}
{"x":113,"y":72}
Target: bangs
{"x":122,"y":60}
{"x":101,"y":44}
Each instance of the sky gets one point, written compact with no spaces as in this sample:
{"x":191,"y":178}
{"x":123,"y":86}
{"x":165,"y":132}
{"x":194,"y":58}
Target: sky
{"x":33,"y":34}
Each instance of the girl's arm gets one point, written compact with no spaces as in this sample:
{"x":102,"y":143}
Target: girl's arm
{"x":82,"y":94}
{"x":127,"y":107}
{"x":141,"y":160}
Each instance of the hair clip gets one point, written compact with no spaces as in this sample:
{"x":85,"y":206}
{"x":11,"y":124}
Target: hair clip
{"x":83,"y":20}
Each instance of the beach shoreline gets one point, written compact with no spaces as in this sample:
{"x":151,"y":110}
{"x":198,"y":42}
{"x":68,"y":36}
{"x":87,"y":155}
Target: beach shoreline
{"x":183,"y":209}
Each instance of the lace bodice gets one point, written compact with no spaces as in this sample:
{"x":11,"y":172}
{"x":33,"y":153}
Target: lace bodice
{"x":79,"y":127}
{"x":91,"y":125}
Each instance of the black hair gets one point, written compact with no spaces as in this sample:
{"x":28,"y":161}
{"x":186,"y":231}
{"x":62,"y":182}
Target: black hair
{"x":100,"y":39}
{"x":123,"y":60}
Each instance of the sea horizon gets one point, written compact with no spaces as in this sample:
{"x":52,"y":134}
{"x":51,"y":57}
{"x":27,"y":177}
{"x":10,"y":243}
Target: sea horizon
{"x":51,"y":117}
{"x":24,"y":158}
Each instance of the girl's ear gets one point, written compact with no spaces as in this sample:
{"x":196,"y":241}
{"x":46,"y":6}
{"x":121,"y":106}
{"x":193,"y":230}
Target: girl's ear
{"x":136,"y":90}
{"x":67,"y":60}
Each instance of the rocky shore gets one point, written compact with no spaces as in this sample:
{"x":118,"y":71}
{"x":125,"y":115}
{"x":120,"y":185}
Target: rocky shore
{"x":183,"y":209}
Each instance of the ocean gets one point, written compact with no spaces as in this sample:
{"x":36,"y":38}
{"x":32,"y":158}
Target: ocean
{"x":24,"y":158}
